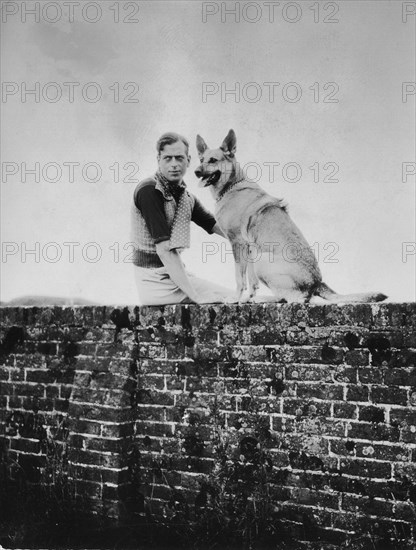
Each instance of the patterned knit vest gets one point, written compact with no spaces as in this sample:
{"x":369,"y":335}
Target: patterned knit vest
{"x":145,"y":254}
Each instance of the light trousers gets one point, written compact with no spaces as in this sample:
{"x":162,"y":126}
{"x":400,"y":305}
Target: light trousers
{"x":155,"y":287}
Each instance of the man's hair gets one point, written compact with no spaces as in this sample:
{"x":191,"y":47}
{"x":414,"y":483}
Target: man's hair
{"x":168,"y":139}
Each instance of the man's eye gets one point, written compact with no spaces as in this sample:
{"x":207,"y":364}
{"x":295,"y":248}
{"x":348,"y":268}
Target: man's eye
{"x":212,"y":160}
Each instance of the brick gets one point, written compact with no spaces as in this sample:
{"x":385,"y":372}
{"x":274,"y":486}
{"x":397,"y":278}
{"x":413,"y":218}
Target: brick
{"x":114,"y":398}
{"x":408,"y":435}
{"x":52,"y":391}
{"x":357,"y":358}
{"x":149,"y":351}
{"x":319,"y":373}
{"x":357,"y":393}
{"x":158,"y":429}
{"x":117,"y":430}
{"x":402,"y":417}
{"x":25,"y":445}
{"x":300,"y":407}
{"x":382,"y":452}
{"x":394,"y":490}
{"x":344,"y":374}
{"x":372,"y":375}
{"x":80,"y":457}
{"x":4,"y":373}
{"x":365,"y":468}
{"x":102,"y":475}
{"x":89,"y":364}
{"x":315,"y":498}
{"x":400,"y":377}
{"x":372,"y":431}
{"x":312,"y":445}
{"x":409,"y":338}
{"x":405,"y":511}
{"x":405,"y":471}
{"x":371,"y":414}
{"x":43,"y":376}
{"x":61,"y":405}
{"x":349,"y":521}
{"x":402,"y":358}
{"x":345,"y":410}
{"x":389,"y":395}
{"x":103,"y":413}
{"x":319,"y":391}
{"x":84,"y":426}
{"x":16,"y":374}
{"x":31,"y":390}
{"x":9,"y":360}
{"x":104,"y":445}
{"x":15,"y":402}
{"x":319,"y":425}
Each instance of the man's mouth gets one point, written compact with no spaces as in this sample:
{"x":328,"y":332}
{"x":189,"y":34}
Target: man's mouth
{"x":211,"y":179}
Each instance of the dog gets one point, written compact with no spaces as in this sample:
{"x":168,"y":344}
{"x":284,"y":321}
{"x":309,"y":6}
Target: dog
{"x":262,"y":234}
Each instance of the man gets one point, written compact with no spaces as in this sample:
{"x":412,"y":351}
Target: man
{"x":161,"y":215}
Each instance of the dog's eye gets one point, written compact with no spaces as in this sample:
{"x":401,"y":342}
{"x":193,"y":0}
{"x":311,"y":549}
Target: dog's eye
{"x":212,"y":160}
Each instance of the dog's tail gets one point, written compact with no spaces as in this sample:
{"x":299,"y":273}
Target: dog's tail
{"x":327,"y":293}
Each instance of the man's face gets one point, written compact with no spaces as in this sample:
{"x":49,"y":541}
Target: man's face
{"x":173,"y":161}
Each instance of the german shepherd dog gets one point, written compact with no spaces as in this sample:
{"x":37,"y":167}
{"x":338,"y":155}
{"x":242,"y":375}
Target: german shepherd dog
{"x":267,"y":245}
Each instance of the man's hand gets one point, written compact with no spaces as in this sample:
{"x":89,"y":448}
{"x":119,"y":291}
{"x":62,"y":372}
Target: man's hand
{"x":174,"y":266}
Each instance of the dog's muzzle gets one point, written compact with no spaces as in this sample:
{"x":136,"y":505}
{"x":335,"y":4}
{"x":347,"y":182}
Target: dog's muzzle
{"x":208,"y":178}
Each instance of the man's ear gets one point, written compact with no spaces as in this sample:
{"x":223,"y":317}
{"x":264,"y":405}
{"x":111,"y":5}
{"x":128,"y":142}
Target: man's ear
{"x":229,"y":145}
{"x":189,"y":159}
{"x":201,"y":146}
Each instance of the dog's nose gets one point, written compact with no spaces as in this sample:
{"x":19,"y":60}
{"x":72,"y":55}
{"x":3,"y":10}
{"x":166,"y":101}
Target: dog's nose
{"x":198,"y":172}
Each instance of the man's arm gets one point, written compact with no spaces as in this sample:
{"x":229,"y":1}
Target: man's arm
{"x":150,"y":203}
{"x":174,"y":266}
{"x":202,"y":217}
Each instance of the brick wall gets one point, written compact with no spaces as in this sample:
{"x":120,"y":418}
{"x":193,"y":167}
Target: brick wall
{"x":296,"y":420}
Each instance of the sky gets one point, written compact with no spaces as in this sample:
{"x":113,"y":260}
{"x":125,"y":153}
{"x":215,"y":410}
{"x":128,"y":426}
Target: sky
{"x":321,"y":96}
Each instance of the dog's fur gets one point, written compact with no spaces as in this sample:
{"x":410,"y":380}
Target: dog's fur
{"x":262,"y":234}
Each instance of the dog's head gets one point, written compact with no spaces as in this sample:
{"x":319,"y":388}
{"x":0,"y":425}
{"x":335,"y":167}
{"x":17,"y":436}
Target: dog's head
{"x":218,"y":166}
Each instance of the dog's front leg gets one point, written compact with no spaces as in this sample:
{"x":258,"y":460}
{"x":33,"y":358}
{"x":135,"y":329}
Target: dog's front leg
{"x":240,"y":258}
{"x":253,"y":280}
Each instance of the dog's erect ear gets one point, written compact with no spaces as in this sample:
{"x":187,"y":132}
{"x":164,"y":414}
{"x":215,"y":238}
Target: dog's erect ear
{"x":201,"y":145}
{"x":229,"y":145}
